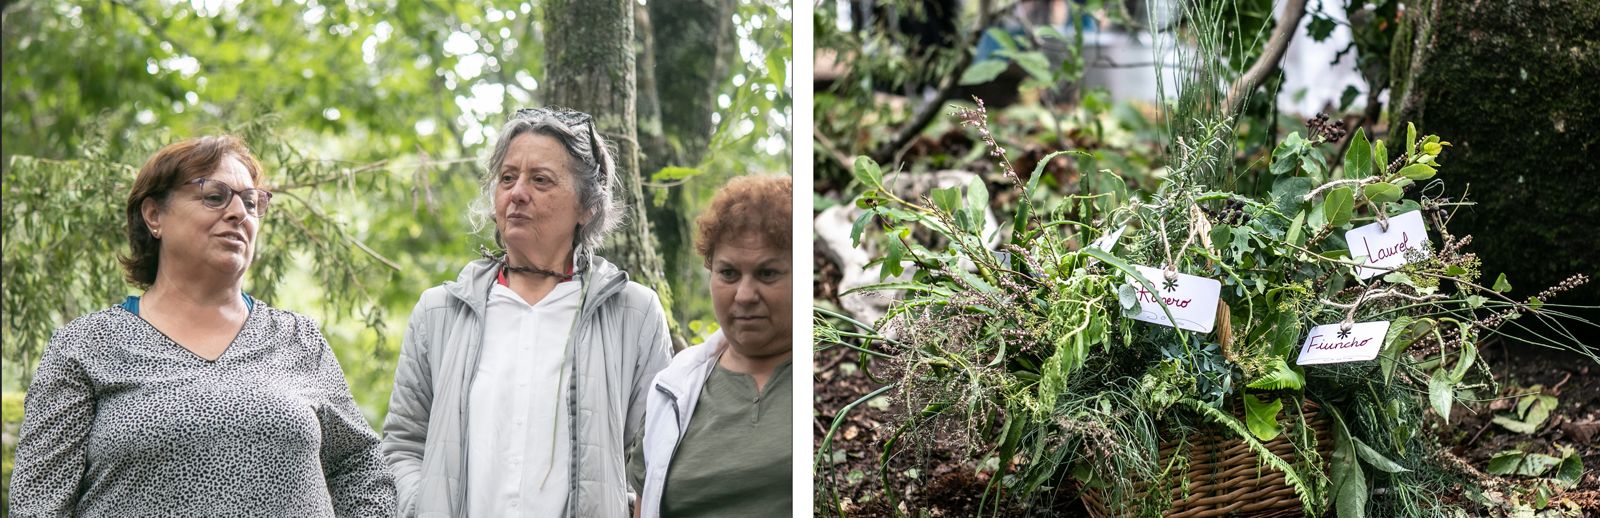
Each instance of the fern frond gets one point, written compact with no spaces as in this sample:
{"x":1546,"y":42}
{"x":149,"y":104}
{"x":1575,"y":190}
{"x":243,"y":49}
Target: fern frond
{"x":1290,"y":476}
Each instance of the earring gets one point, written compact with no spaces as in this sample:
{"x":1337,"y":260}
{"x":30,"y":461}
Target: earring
{"x":156,"y":234}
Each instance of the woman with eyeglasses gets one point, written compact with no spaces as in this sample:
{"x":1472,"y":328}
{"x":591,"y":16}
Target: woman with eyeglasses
{"x":521,"y":385}
{"x":195,"y":399}
{"x":718,"y":437}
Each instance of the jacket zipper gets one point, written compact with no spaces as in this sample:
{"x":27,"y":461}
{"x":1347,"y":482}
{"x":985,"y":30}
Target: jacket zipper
{"x":572,"y":397}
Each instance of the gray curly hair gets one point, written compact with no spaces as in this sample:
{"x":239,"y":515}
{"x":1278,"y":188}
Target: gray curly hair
{"x":589,"y":162}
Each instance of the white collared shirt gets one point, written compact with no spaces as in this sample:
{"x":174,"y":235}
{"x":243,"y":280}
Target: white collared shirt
{"x":519,"y":441}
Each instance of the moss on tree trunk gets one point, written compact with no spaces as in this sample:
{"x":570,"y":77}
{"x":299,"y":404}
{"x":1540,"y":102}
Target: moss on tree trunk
{"x":1513,"y":86}
{"x":590,"y":67}
{"x":692,"y":48}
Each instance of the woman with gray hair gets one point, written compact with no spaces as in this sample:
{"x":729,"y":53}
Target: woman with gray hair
{"x":521,"y":385}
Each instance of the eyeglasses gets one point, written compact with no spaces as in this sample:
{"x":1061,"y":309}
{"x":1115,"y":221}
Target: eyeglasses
{"x":565,"y":116}
{"x":216,"y":195}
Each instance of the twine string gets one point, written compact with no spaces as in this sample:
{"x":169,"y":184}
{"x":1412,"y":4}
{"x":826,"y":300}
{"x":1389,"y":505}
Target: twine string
{"x":1171,"y":270}
{"x":1350,"y":316}
{"x":1383,"y":219}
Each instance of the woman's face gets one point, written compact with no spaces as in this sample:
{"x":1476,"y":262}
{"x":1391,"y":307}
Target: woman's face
{"x":536,"y":194}
{"x":751,"y":292}
{"x":194,"y":236}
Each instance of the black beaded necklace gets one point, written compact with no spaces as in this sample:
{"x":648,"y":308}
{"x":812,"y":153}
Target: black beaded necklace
{"x":504,"y":260}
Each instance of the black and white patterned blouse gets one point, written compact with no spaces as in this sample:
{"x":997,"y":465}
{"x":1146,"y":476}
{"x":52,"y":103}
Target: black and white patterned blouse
{"x":122,"y":421}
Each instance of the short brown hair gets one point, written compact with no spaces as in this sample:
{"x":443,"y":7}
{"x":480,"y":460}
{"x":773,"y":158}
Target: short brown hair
{"x":173,"y":165}
{"x":748,"y":204}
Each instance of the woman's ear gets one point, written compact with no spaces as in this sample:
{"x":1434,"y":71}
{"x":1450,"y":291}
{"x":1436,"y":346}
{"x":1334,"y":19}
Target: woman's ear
{"x":150,"y":210}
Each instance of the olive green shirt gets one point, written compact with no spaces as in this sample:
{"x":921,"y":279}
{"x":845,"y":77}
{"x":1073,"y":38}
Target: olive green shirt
{"x":737,"y":457}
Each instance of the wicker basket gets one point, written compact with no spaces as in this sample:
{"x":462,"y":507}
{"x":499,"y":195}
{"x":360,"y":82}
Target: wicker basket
{"x":1227,"y":479}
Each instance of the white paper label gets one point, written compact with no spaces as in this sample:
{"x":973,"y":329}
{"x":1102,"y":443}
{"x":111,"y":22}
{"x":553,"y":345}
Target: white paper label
{"x":1387,"y":250}
{"x":1192,"y":300}
{"x":1105,"y":242}
{"x":1109,"y":240}
{"x":1328,"y":344}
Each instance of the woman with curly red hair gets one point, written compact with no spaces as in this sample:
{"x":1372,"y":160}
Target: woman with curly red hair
{"x":718,"y":433}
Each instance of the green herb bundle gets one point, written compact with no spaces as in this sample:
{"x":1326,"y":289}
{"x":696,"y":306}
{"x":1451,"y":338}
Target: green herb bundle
{"x":1028,"y":352}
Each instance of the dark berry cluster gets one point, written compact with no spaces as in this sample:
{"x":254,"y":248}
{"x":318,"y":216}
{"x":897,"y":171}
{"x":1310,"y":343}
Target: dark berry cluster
{"x":1232,"y":213}
{"x":1330,"y":131}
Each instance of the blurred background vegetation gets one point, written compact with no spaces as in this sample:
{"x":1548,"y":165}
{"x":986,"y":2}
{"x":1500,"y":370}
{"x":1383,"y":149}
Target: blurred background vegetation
{"x":373,"y":118}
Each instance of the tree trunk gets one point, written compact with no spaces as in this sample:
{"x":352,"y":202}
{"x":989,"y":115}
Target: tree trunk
{"x":653,"y":155}
{"x":1511,"y":86}
{"x":652,"y":141}
{"x":690,"y":44}
{"x":693,"y":43}
{"x":590,"y":67}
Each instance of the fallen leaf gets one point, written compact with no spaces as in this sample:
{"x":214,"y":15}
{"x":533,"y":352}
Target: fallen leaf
{"x":1581,"y":432}
{"x":1514,"y":462}
{"x":1531,"y":412}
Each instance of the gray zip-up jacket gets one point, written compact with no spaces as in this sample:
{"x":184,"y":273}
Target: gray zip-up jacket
{"x":620,"y":344}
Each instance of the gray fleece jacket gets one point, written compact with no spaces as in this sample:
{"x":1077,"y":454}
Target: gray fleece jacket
{"x":620,"y":344}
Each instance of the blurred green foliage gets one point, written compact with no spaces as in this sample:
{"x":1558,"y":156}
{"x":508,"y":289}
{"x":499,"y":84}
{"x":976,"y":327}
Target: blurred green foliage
{"x":10,"y":420}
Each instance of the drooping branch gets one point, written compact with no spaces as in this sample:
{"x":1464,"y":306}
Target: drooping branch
{"x":924,"y":114}
{"x":1265,"y":65}
{"x":827,"y":145}
{"x":317,"y":212}
{"x":381,"y":165}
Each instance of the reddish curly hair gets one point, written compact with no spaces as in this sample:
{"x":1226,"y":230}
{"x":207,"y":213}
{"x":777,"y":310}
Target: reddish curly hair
{"x":748,"y":204}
